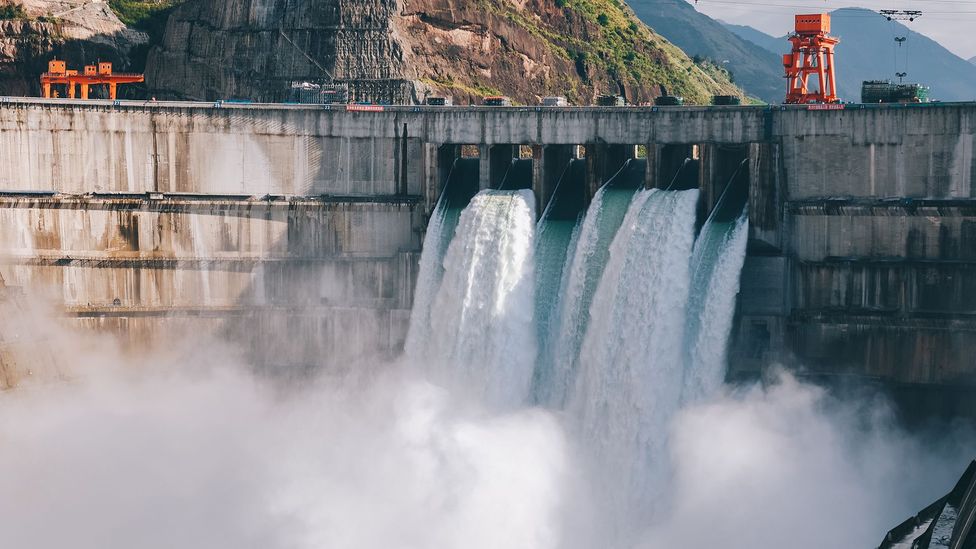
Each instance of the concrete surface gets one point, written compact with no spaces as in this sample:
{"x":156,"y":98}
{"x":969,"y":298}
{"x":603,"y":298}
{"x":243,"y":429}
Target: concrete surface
{"x":863,"y":220}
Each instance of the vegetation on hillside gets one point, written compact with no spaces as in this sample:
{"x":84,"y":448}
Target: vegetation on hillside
{"x":618,"y":44}
{"x":141,"y":13}
{"x":447,"y":82}
{"x":10,"y":10}
{"x":146,"y":15}
{"x":149,"y":16}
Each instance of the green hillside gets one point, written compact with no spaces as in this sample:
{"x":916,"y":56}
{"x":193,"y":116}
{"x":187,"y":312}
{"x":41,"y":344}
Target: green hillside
{"x":608,"y":50}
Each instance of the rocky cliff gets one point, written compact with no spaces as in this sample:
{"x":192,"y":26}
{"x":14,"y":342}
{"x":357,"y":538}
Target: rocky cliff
{"x":403,"y":50}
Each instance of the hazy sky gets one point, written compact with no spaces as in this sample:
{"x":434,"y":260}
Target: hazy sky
{"x":950,"y":22}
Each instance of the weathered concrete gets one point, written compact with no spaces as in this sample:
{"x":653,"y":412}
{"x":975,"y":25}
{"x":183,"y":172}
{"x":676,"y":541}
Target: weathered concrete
{"x":862,"y":244}
{"x":149,"y":270}
{"x":872,"y":213}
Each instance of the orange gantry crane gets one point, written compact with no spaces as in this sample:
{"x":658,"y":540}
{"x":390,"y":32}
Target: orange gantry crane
{"x":93,"y":75}
{"x":813,"y":54}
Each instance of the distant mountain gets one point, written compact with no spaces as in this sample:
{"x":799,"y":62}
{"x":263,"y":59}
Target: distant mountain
{"x":754,"y":68}
{"x":868,"y":52}
{"x":759,"y":38}
{"x":972,"y":60}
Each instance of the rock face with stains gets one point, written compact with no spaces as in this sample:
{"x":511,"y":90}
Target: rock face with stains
{"x":401,"y":51}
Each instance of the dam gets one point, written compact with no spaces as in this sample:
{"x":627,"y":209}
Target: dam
{"x":156,"y":220}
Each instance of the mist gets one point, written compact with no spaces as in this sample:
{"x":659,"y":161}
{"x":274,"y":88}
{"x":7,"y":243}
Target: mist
{"x":789,"y":465}
{"x":190,"y":448}
{"x":199,"y":457}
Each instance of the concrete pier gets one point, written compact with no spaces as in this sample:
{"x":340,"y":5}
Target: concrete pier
{"x":548,"y":164}
{"x":603,"y":160}
{"x":496,"y":159}
{"x":861,"y":240}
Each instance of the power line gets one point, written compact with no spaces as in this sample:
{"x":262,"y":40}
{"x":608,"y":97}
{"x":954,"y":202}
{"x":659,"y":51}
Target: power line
{"x":794,"y":7}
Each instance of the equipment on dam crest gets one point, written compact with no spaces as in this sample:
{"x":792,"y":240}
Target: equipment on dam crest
{"x":555,"y":101}
{"x":94,"y":75}
{"x":317,"y":93}
{"x":884,"y":91}
{"x":669,"y":101}
{"x":813,"y":54}
{"x":496,"y":101}
{"x":726,"y":100}
{"x":609,"y":100}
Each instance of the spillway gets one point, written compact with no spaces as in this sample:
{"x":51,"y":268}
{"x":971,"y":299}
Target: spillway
{"x":461,"y":186}
{"x":584,"y":269}
{"x":631,"y":365}
{"x":481,"y":339}
{"x":716,"y":264}
{"x":557,"y":237}
{"x":616,"y":316}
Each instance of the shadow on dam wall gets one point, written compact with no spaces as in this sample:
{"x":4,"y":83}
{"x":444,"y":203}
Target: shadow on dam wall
{"x":307,"y":223}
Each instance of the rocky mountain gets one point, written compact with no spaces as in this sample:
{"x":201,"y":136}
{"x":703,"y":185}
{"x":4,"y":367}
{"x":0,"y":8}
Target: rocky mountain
{"x":34,"y":31}
{"x":753,"y":67}
{"x":868,"y":51}
{"x":404,"y":50}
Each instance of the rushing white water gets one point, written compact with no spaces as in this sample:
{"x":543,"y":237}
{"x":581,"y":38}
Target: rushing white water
{"x":942,"y":533}
{"x":585,"y":266}
{"x":461,"y":186}
{"x":556,"y":237}
{"x":631,"y":359}
{"x":428,"y":277}
{"x":629,"y":343}
{"x":555,"y":244}
{"x":481,"y":339}
{"x":716,"y":264}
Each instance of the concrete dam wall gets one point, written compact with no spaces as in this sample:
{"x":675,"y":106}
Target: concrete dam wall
{"x":241,"y":219}
{"x":151,"y":231}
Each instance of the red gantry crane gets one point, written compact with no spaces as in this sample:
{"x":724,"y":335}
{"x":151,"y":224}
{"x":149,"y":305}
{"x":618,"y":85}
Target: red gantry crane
{"x":59,"y":74}
{"x":813,"y":54}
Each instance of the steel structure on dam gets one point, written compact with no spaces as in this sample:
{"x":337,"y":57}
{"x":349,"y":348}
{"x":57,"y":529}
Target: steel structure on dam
{"x":153,"y":217}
